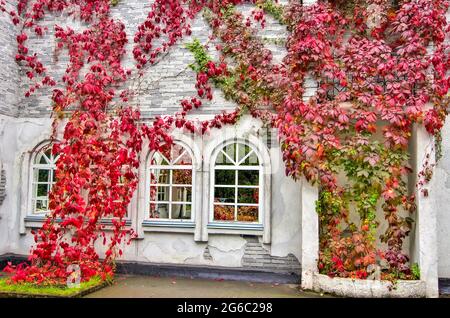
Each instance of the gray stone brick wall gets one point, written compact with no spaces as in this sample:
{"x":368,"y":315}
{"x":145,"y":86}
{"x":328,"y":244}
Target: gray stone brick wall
{"x":257,"y":257}
{"x":166,"y":83}
{"x":9,"y":71}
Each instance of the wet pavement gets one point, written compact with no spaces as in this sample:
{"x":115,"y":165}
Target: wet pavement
{"x":166,"y":287}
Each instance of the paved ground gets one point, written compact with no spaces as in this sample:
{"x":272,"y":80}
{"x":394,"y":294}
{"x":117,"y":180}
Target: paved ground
{"x":147,"y":287}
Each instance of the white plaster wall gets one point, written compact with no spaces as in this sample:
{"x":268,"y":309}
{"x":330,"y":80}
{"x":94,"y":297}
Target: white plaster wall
{"x":286,"y":210}
{"x":18,"y":136}
{"x":439,"y":191}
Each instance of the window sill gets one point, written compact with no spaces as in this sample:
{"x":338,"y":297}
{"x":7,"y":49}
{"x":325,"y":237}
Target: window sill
{"x":168,"y":226}
{"x":246,"y":229}
{"x":35,"y":221}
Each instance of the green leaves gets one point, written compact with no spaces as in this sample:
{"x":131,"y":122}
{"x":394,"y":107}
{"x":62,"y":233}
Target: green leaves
{"x":200,"y":55}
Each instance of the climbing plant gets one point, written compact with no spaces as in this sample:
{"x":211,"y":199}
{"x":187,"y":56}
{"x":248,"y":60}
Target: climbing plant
{"x":380,"y":67}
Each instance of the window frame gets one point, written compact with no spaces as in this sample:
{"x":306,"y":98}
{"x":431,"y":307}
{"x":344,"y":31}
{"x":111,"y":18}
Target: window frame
{"x":51,"y":167}
{"x":31,"y":219}
{"x":212,"y":223}
{"x":148,"y":170}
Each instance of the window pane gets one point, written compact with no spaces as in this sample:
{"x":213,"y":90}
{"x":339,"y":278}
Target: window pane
{"x":246,"y":195}
{"x":159,"y":160}
{"x":163,"y":193}
{"x":180,"y":156}
{"x":159,"y":210}
{"x":247,"y":213}
{"x":243,"y":150}
{"x":223,"y":213}
{"x":230,"y":150}
{"x":224,"y":195}
{"x":42,"y":159}
{"x":225,"y":177}
{"x":181,"y":211}
{"x":42,"y":190}
{"x":43,"y":175}
{"x":182,"y":194}
{"x":251,"y":160}
{"x":223,"y":160}
{"x":161,"y":176}
{"x":160,"y":193}
{"x":41,"y":205}
{"x":182,"y":176}
{"x":48,"y":154}
{"x":248,"y":177}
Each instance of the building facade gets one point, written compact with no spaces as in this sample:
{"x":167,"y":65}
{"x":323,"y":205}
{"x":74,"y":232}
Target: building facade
{"x":222,"y":200}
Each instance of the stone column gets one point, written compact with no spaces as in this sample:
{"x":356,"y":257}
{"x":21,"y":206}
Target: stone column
{"x":310,"y":233}
{"x":426,"y":243}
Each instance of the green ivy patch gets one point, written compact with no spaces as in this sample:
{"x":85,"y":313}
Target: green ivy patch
{"x":32,"y":290}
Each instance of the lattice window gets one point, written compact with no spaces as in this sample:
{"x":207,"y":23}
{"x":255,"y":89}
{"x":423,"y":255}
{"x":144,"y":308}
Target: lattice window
{"x":237,"y":184}
{"x":171,"y":184}
{"x":44,"y":177}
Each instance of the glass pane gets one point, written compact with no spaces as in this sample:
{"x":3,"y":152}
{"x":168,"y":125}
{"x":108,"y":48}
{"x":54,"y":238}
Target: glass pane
{"x":41,"y":205}
{"x":163,"y":193}
{"x":42,"y":190}
{"x":243,"y":150}
{"x":161,"y":176}
{"x":43,"y":175}
{"x":180,"y":156}
{"x":54,"y":175}
{"x":182,"y":176}
{"x":248,"y":195}
{"x":247,"y":214}
{"x":251,"y":160}
{"x":42,"y":159}
{"x":230,"y":150}
{"x":159,"y":160}
{"x":48,"y":154}
{"x":153,"y":194}
{"x":181,"y":211}
{"x":182,"y":194}
{"x":159,"y":210}
{"x":225,"y":177}
{"x":226,"y":195}
{"x":248,"y":177}
{"x":160,"y":193}
{"x":223,"y":213}
{"x":223,"y":160}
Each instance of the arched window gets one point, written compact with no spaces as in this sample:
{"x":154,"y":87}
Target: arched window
{"x":43,"y":179}
{"x":237,"y":185}
{"x":171,"y":184}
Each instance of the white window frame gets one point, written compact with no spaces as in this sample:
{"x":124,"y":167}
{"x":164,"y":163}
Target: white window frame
{"x":38,"y":166}
{"x":236,"y":186}
{"x":149,"y":167}
{"x":29,"y":217}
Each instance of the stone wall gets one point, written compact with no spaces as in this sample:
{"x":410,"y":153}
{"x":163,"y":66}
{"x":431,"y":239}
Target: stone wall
{"x":166,"y":83}
{"x":9,"y":71}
